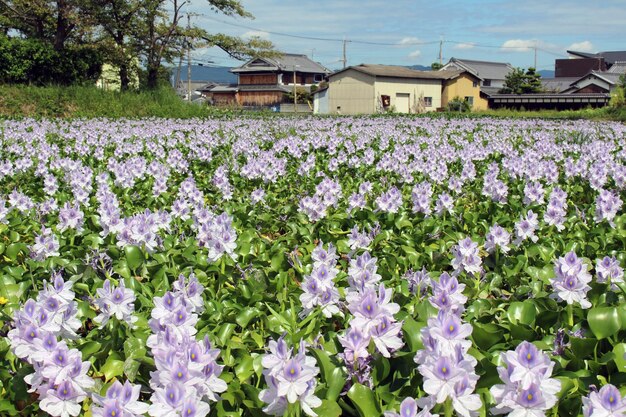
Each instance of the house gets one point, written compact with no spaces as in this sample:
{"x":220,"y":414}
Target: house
{"x":491,"y":74}
{"x":264,"y":82}
{"x":462,"y":84}
{"x":371,"y":88}
{"x":580,"y":64}
{"x":594,"y":82}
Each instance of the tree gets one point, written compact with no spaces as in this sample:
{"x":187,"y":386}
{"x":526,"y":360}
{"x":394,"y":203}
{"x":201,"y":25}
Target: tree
{"x":55,"y":22}
{"x":436,"y":66}
{"x":520,"y":82}
{"x":164,"y":37}
{"x":618,"y":97}
{"x":117,"y":20}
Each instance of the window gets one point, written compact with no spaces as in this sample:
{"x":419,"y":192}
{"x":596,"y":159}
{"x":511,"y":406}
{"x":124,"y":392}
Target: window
{"x":317,"y":78}
{"x":469,"y":100}
{"x":475,"y":84}
{"x":428,"y":101}
{"x":487,"y":83}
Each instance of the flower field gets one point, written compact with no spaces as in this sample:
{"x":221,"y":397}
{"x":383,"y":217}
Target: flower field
{"x":285,"y":266}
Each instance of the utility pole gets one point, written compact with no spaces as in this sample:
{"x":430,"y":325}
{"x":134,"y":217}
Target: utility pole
{"x":188,"y":60}
{"x":441,"y":50}
{"x":535,"y":55}
{"x":295,"y":96}
{"x":344,"y":60}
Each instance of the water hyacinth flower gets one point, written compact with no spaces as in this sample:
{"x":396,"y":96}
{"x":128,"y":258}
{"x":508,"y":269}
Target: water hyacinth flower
{"x":408,"y":408}
{"x":121,"y":399}
{"x":448,"y":294}
{"x":444,"y":204}
{"x":607,"y":206}
{"x":525,"y":228}
{"x":389,"y":201}
{"x":608,"y":402}
{"x":46,"y":245}
{"x":609,"y":270}
{"x":497,"y":238}
{"x":533,"y":193}
{"x":70,"y":217}
{"x":358,"y":240}
{"x":571,"y":281}
{"x":115,"y":302}
{"x":419,"y":282}
{"x":290,"y":379}
{"x":528,"y":389}
{"x":466,"y":257}
{"x":421,"y":196}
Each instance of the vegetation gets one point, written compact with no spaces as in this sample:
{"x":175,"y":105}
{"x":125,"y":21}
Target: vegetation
{"x":81,"y":101}
{"x":520,"y":82}
{"x":119,"y":32}
{"x":618,"y":99}
{"x":457,"y":104}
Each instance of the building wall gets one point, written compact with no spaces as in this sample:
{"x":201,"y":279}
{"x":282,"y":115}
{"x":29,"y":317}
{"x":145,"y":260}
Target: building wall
{"x":225,"y":99}
{"x":260,"y":98}
{"x":416,"y":88}
{"x":593,"y":83}
{"x":255,"y":79}
{"x":351,"y":92}
{"x":463,"y":86}
{"x":320,"y":102}
{"x":591,"y":88}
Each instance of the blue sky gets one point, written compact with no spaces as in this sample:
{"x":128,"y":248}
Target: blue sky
{"x":409,"y":31}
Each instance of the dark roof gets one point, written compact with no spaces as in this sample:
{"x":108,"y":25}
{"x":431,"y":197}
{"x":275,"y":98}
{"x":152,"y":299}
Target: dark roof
{"x":543,"y":96}
{"x":285,"y":62}
{"x":483,"y":69}
{"x":610,"y":57}
{"x":224,"y":89}
{"x":397,"y":71}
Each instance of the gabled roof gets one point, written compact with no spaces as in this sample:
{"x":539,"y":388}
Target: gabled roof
{"x":285,"y":62}
{"x":483,"y":69}
{"x":396,"y":71}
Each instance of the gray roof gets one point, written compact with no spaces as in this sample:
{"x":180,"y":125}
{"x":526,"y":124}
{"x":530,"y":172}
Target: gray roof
{"x":610,"y":57}
{"x":267,"y":87}
{"x":619,"y":67}
{"x":285,"y":62}
{"x":397,"y":71}
{"x":558,"y":84}
{"x":224,"y":89}
{"x":485,"y":70}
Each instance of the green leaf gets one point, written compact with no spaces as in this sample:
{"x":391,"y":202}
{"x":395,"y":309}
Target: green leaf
{"x":112,"y":368}
{"x":486,"y":335}
{"x":244,"y":368}
{"x":246,"y":315}
{"x":364,"y":400}
{"x":620,"y":356}
{"x":604,"y":321}
{"x":134,"y":256}
{"x":328,"y":409}
{"x":523,"y":312}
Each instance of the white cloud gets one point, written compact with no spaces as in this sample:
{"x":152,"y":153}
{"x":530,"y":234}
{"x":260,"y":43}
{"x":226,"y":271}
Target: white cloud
{"x":468,"y":45}
{"x":408,"y":41}
{"x":256,"y":33}
{"x":519,"y":45}
{"x":415,"y":54}
{"x":584,"y":46}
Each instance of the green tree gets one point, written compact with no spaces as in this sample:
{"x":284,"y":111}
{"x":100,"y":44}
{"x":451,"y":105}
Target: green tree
{"x":436,"y":66}
{"x":618,"y":97}
{"x":117,"y":20}
{"x":520,"y":82}
{"x":163,"y":35}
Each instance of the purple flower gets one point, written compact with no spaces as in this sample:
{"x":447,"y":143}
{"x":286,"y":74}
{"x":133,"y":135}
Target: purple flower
{"x":115,"y":302}
{"x":466,"y":257}
{"x":497,"y":237}
{"x":571,"y":281}
{"x":607,"y":402}
{"x":62,"y":401}
{"x":609,"y":270}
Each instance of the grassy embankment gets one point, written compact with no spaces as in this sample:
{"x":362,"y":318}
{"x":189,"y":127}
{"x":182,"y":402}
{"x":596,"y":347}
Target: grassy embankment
{"x":18,"y":101}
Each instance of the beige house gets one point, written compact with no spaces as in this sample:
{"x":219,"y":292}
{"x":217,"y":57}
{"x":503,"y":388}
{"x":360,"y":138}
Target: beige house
{"x":367,"y":88}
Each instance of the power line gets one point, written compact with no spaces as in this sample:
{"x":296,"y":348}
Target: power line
{"x":315,"y":38}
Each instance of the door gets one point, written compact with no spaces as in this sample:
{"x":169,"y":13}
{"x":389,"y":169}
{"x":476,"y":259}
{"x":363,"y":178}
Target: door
{"x":402,"y":102}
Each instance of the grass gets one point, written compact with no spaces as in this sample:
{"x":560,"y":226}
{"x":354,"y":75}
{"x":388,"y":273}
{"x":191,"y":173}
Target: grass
{"x":19,"y":101}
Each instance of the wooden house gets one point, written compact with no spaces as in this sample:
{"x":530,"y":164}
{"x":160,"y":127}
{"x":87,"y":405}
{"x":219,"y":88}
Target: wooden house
{"x":264,"y":82}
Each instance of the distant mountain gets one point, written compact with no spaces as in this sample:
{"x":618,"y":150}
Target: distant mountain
{"x":221,"y":75}
{"x":419,"y":67}
{"x":546,"y":73}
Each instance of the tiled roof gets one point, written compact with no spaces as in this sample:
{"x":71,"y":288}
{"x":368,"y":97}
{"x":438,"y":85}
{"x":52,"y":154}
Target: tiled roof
{"x":558,"y":84}
{"x":285,"y":62}
{"x":486,"y":70}
{"x":397,"y":71}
